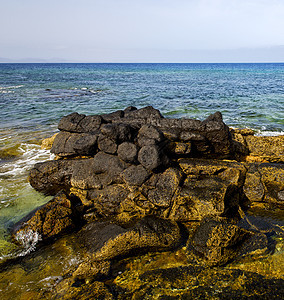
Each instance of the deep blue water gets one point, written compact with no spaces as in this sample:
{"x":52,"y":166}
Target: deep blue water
{"x":35,"y":96}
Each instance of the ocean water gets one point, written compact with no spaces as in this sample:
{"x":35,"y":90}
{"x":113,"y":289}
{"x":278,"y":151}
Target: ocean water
{"x":33,"y":98}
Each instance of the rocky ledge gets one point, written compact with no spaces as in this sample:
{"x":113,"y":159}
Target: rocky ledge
{"x":133,"y":182}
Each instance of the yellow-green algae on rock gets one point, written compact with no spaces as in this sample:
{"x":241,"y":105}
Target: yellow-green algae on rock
{"x":175,"y":180}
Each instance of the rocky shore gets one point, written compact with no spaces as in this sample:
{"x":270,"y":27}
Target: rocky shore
{"x":133,"y":184}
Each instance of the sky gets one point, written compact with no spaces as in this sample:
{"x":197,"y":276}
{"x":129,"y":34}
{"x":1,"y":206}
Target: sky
{"x":142,"y":31}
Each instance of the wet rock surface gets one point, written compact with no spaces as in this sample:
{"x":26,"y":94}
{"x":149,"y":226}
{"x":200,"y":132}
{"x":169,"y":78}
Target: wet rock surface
{"x":58,"y":216}
{"x":106,"y":241}
{"x":132,"y":183}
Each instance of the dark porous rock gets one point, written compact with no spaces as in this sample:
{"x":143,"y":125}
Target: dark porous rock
{"x":166,"y":187}
{"x":218,"y":241}
{"x":106,"y":144}
{"x":129,"y":109}
{"x":91,"y":124}
{"x":149,"y":135}
{"x":218,"y":133}
{"x":143,"y":113}
{"x":107,"y":241}
{"x":74,"y":144}
{"x":106,"y":163}
{"x":117,"y":132}
{"x":70,"y":122}
{"x":190,"y":124}
{"x":150,"y":157}
{"x":127,"y":152}
{"x":86,"y":145}
{"x":114,"y":116}
{"x":84,"y":176}
{"x":51,"y":176}
{"x":80,"y":123}
{"x":52,"y":219}
{"x":201,"y":197}
{"x":135,"y":175}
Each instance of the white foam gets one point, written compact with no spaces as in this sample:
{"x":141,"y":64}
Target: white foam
{"x":269,"y":133}
{"x":11,"y":87}
{"x":31,"y":154}
{"x":262,"y":132}
{"x":28,"y":239}
{"x":51,"y":280}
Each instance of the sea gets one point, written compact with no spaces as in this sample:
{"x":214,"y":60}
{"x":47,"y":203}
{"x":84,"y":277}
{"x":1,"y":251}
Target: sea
{"x":33,"y":98}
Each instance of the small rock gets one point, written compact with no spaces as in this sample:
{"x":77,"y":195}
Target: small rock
{"x":135,"y":175}
{"x":127,"y":152}
{"x":106,"y":144}
{"x":149,"y":157}
{"x":166,"y":186}
{"x":149,"y":135}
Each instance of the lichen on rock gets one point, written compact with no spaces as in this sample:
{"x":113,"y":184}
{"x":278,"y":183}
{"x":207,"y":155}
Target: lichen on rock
{"x":133,"y":182}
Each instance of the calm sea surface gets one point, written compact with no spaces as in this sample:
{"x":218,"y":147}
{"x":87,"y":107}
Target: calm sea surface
{"x":33,"y":97}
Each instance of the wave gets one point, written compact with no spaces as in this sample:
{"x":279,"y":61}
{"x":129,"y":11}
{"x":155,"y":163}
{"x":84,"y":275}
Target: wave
{"x":29,"y":154}
{"x":9,"y":89}
{"x":268,"y":133}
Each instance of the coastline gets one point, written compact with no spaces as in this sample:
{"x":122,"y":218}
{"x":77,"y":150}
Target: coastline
{"x":177,"y":259}
{"x":36,"y":98}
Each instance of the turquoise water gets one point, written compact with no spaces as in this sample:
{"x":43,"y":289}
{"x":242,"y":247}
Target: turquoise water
{"x":33,"y":97}
{"x":37,"y":95}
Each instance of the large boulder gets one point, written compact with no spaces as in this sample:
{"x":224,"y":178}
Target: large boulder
{"x":265,"y":148}
{"x":106,"y":241}
{"x":264,"y":183}
{"x":209,"y":188}
{"x":80,"y":123}
{"x":220,"y":241}
{"x":74,"y":144}
{"x":50,"y":177}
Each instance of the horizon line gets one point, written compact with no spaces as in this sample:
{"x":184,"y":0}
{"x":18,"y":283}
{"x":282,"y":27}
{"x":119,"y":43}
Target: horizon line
{"x":72,"y":62}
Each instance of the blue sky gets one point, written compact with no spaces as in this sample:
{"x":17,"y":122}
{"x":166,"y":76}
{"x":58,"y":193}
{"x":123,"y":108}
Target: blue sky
{"x":142,"y":30}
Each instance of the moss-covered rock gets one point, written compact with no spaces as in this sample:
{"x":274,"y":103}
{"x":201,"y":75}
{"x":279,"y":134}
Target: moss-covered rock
{"x":52,"y":219}
{"x":106,"y":241}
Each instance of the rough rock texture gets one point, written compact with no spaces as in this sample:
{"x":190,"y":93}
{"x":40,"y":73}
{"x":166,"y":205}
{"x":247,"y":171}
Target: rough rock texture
{"x":56,"y":217}
{"x":47,"y":143}
{"x":270,"y":149}
{"x":265,"y":183}
{"x":146,"y":183}
{"x":132,"y":163}
{"x":106,"y":241}
{"x":92,"y":270}
{"x":194,"y":282}
{"x":219,"y":241}
{"x":52,"y":176}
{"x":83,"y":135}
{"x":95,"y":290}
